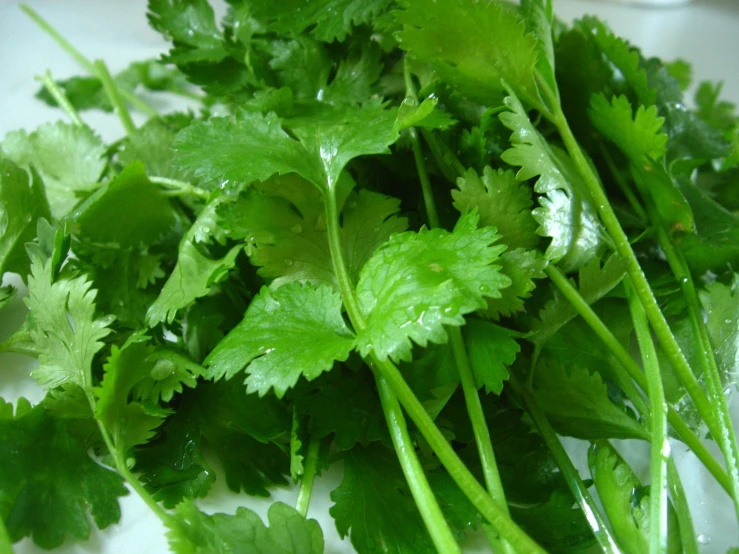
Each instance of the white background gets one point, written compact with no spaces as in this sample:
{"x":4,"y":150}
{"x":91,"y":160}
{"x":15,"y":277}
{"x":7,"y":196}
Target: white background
{"x":705,"y":33}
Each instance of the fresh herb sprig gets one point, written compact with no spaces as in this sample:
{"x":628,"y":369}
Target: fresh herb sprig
{"x":277,"y":282}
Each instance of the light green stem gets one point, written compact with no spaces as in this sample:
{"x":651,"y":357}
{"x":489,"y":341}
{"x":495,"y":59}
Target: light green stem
{"x":61,"y":98}
{"x":134,"y":100}
{"x":309,"y":476}
{"x":112,"y":91}
{"x":394,"y":380}
{"x":688,"y":538}
{"x":179,"y":188}
{"x":431,"y":513}
{"x":624,"y":358}
{"x":660,"y":447}
{"x":726,"y":437}
{"x":641,"y":285}
{"x":589,"y":509}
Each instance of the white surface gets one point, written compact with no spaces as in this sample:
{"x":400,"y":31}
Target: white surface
{"x":706,"y":34}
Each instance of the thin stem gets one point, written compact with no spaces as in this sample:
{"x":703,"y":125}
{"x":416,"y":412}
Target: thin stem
{"x":448,"y":164}
{"x":688,"y":539}
{"x":623,"y":183}
{"x":83,"y":61}
{"x":309,"y":476}
{"x":635,"y":372}
{"x":477,"y":417}
{"x":179,"y":188}
{"x":726,"y":437}
{"x":436,"y":440}
{"x":431,"y":513}
{"x":589,"y":509}
{"x":111,"y":90}
{"x":660,"y":447}
{"x":641,"y":285}
{"x":60,"y":98}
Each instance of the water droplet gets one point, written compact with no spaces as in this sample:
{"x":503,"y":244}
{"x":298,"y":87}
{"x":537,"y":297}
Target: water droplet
{"x":296,"y":229}
{"x":704,"y":539}
{"x":484,"y":288}
{"x":727,"y":321}
{"x":288,"y":262}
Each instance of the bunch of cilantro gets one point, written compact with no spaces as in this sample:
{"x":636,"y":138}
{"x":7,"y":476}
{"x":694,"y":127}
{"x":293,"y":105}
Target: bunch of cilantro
{"x":421,"y":239}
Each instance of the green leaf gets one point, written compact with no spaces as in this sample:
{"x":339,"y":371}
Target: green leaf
{"x":491,"y":349}
{"x":63,"y":326}
{"x":567,"y":214}
{"x":70,"y":160}
{"x":329,"y":20}
{"x":328,"y":138}
{"x":373,"y":505}
{"x":129,"y":423}
{"x":425,"y":114}
{"x":347,"y":407}
{"x":356,"y":75}
{"x":502,"y":202}
{"x":193,"y":532}
{"x":48,"y":482}
{"x":287,"y":333}
{"x":22,"y":203}
{"x":169,"y":372}
{"x":594,"y":283}
{"x":195,"y":273}
{"x":521,"y":267}
{"x":721,"y":304}
{"x":483,"y":43}
{"x":639,"y":135}
{"x":539,"y":16}
{"x":626,"y":502}
{"x":418,"y":282}
{"x":191,"y":25}
{"x":577,"y":404}
{"x":7,"y":295}
{"x":128,"y":211}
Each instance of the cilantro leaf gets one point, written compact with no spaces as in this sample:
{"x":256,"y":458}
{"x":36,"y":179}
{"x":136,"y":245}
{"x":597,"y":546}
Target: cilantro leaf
{"x":418,"y":282}
{"x":292,"y":331}
{"x":70,"y":160}
{"x":7,"y":294}
{"x":578,"y":405}
{"x":48,"y":482}
{"x":191,"y":25}
{"x":502,"y":201}
{"x":521,"y":267}
{"x":129,"y":423}
{"x":491,"y":349}
{"x":328,"y":138}
{"x":484,"y":42}
{"x":22,"y":203}
{"x":721,"y":304}
{"x":128,"y":210}
{"x":194,"y":532}
{"x":567,"y":214}
{"x":425,"y":115}
{"x":373,"y":505}
{"x":329,"y":20}
{"x":63,"y":326}
{"x":639,"y":135}
{"x":282,"y":222}
{"x":347,"y":406}
{"x":195,"y":273}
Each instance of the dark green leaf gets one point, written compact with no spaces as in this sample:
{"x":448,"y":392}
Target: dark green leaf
{"x":491,"y":349}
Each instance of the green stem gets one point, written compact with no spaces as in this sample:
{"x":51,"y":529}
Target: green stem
{"x":179,"y":188}
{"x":436,"y":440}
{"x":431,"y":513}
{"x":623,"y":184}
{"x":111,"y":90}
{"x":589,"y":509}
{"x":83,"y":61}
{"x":660,"y":447}
{"x":635,"y":372}
{"x":309,"y":476}
{"x":726,"y":437}
{"x":641,"y":285}
{"x":61,"y":98}
{"x":688,"y":538}
{"x":6,"y":546}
